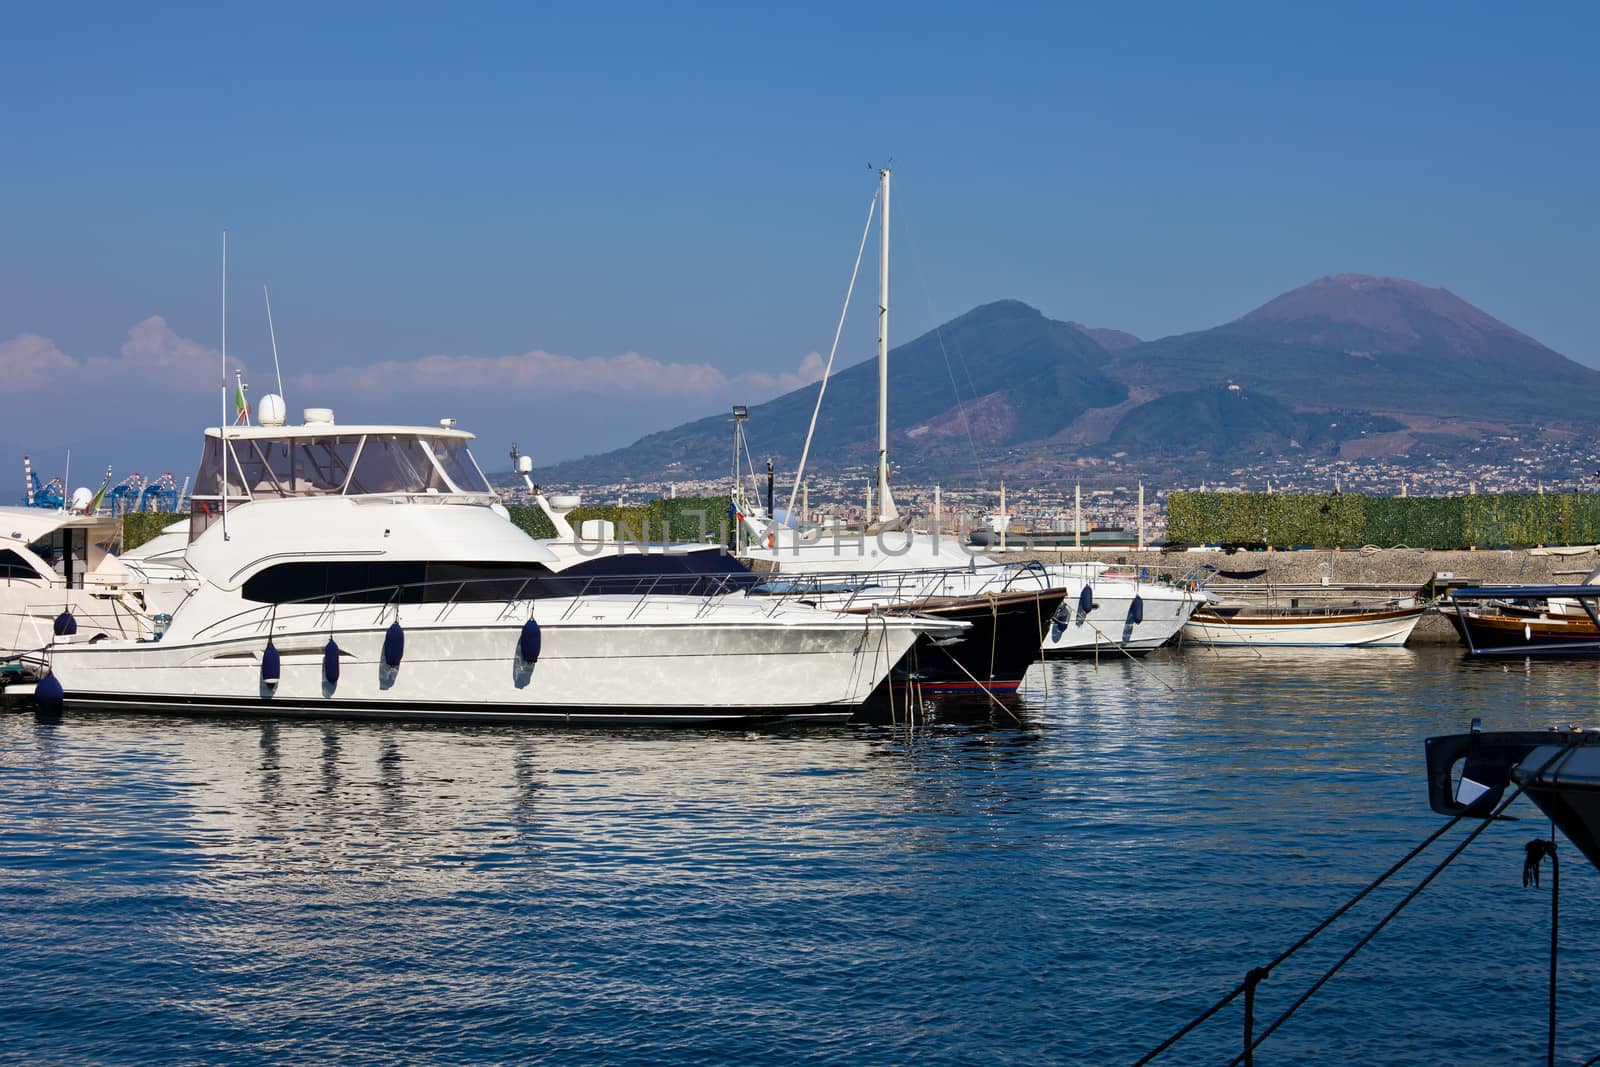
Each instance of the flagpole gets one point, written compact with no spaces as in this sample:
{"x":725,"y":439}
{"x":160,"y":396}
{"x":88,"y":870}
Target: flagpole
{"x":241,"y":406}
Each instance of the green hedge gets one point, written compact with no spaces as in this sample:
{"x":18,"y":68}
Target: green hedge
{"x":1350,"y":520}
{"x":141,"y":526}
{"x":677,"y":519}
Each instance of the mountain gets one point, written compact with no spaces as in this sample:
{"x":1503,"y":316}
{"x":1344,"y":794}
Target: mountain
{"x":1370,"y":364}
{"x":1219,"y":421}
{"x":1379,"y":344}
{"x":1000,"y":373}
{"x":1110,"y":340}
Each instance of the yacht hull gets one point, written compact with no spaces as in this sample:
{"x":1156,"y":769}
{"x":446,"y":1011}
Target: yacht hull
{"x":1110,"y":625}
{"x":991,"y":657}
{"x":605,"y":671}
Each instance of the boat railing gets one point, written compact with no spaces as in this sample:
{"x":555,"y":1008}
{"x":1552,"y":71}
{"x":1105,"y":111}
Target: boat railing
{"x":905,"y":590}
{"x":437,"y":600}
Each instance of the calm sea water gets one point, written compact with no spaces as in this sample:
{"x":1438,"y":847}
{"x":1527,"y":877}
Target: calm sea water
{"x":1068,"y":889}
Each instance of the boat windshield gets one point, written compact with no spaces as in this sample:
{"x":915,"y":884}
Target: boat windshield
{"x":455,"y":459}
{"x":255,"y":467}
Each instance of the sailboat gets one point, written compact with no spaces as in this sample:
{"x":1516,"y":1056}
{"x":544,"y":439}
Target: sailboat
{"x":1097,"y":612}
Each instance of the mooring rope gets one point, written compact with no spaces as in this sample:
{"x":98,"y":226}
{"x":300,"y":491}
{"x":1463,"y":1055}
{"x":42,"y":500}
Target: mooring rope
{"x":1131,"y":657}
{"x":1038,"y":614}
{"x":1258,"y":974}
{"x":1302,"y":943}
{"x":994,"y":630}
{"x":1537,"y":849}
{"x":1367,"y":938}
{"x":986,"y":690}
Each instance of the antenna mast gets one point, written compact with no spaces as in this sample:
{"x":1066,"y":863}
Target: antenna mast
{"x":222,"y":424}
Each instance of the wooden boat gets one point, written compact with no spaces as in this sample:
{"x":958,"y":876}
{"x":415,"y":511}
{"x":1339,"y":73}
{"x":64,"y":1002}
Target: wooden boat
{"x":1320,"y":626}
{"x":1526,"y":620}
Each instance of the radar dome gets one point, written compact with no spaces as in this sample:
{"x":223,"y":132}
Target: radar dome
{"x":319,"y":416}
{"x":271,"y":410}
{"x":81,"y":498}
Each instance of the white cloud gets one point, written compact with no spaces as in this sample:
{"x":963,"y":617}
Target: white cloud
{"x":153,"y":350}
{"x":540,"y":373}
{"x":155,"y":358}
{"x":29,"y":361}
{"x":810,"y":370}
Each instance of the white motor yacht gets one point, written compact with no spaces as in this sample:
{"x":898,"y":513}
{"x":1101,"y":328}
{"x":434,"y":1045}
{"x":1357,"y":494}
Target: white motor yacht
{"x":61,"y":581}
{"x":368,"y":571}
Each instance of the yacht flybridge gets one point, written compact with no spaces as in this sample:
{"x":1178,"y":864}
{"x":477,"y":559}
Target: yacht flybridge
{"x":369,"y":571}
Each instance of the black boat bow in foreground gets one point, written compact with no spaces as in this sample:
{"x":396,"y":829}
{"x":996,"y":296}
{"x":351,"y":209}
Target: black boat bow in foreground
{"x":1558,"y":769}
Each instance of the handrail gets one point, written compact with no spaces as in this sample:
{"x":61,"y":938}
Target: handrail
{"x":905,"y":590}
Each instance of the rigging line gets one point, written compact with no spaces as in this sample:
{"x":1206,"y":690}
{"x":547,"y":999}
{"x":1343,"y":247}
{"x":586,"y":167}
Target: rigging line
{"x":985,"y":689}
{"x":274,"y":335}
{"x":750,"y":464}
{"x":1367,"y":938}
{"x":1306,"y":939}
{"x":828,"y":368}
{"x":938,"y":331}
{"x":1131,"y":657}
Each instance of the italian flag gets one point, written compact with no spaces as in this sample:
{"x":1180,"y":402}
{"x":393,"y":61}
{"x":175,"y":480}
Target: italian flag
{"x":241,"y":410}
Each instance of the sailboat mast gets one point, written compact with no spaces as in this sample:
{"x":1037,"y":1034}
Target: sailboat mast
{"x":886,"y":508}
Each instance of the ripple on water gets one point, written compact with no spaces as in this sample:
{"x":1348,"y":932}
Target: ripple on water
{"x":1068,"y":889}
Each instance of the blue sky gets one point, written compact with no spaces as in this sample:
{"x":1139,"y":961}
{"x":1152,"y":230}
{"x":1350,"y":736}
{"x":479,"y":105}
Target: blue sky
{"x":662,"y":202}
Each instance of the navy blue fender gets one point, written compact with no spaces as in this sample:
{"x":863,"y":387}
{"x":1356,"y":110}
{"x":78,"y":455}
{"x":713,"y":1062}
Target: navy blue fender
{"x":394,"y":646}
{"x":48,"y":694}
{"x":330,"y":663}
{"x":271,"y":668}
{"x":530,"y":642}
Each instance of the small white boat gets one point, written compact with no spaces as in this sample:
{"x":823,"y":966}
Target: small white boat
{"x":1303,"y":627}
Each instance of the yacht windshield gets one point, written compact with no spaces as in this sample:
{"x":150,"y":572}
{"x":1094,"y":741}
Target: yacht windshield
{"x":395,"y":463}
{"x":456,"y":460}
{"x":258,"y":467}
